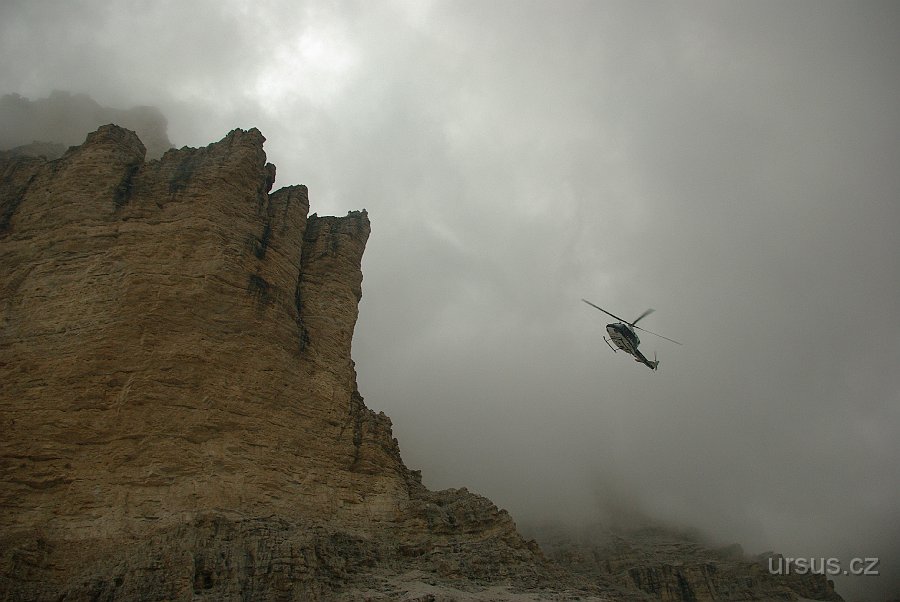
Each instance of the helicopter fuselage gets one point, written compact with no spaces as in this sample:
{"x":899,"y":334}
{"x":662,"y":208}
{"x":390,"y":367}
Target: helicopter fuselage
{"x":623,"y":337}
{"x":626,"y":339}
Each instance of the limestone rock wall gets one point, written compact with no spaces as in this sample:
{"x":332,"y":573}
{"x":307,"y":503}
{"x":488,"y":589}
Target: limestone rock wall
{"x":175,"y":346}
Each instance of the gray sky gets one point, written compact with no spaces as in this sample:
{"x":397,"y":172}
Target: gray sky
{"x":734,"y":165}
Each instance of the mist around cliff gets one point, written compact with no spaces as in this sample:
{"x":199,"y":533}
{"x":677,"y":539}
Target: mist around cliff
{"x":732,"y":165}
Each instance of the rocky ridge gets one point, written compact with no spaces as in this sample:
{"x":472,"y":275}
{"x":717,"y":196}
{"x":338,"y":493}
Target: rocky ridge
{"x":675,"y":565}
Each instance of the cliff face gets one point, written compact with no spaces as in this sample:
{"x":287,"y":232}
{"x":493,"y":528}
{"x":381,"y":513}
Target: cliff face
{"x":179,"y":406}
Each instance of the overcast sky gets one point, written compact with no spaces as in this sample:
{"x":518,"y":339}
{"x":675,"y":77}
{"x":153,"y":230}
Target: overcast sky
{"x":734,"y":165}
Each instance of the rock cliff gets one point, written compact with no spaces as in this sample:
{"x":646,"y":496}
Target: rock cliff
{"x":179,"y":406}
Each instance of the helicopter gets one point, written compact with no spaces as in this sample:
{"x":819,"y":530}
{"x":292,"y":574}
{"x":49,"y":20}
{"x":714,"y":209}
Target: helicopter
{"x":625,"y":338}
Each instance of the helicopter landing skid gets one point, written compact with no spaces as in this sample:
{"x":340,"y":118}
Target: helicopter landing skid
{"x":605,"y":340}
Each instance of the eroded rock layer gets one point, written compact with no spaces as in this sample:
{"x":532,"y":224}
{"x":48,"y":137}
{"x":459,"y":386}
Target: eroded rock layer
{"x":179,"y":408}
{"x":672,"y":565}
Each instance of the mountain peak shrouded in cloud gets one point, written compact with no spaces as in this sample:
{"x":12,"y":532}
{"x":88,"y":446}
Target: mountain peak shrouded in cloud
{"x":65,"y":119}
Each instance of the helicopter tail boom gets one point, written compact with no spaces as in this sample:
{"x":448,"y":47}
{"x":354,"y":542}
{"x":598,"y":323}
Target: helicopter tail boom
{"x":652,"y":364}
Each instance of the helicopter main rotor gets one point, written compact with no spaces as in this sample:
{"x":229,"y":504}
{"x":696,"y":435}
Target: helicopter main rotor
{"x":642,"y":316}
{"x":633,"y":324}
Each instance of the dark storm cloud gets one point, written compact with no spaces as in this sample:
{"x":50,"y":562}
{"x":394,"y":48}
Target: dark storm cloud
{"x":733,"y":165}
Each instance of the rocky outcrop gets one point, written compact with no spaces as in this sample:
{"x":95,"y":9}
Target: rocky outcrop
{"x":676,"y":566}
{"x":179,"y":406}
{"x":47,"y":126}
